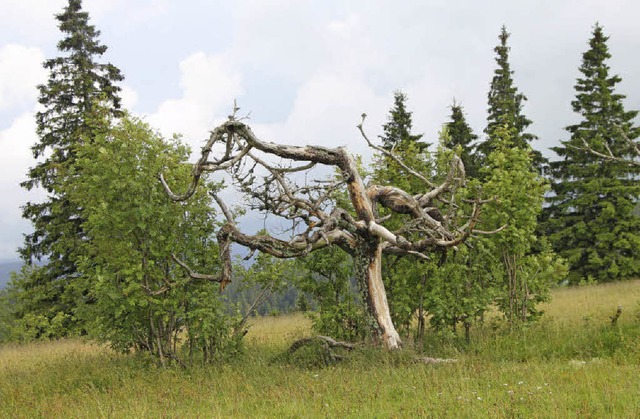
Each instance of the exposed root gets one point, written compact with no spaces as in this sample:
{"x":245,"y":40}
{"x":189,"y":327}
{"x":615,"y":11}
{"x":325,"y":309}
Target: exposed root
{"x":327,"y":344}
{"x":428,"y":360}
{"x":326,"y":341}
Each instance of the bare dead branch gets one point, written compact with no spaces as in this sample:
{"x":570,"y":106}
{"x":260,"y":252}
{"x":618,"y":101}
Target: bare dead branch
{"x":195,"y":275}
{"x":223,"y":208}
{"x":392,"y":155}
{"x":497,"y":230}
{"x":332,"y":343}
{"x":631,"y":160}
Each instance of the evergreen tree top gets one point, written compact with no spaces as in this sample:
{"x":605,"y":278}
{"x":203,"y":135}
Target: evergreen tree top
{"x":82,"y":36}
{"x":605,"y":121}
{"x":505,"y":102}
{"x":459,"y":130}
{"x":461,"y":134}
{"x":76,"y":81}
{"x":397,"y":131}
{"x":505,"y":107}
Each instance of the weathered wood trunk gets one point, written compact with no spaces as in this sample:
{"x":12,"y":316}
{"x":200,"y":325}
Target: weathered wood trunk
{"x":355,"y":228}
{"x":368,"y":272}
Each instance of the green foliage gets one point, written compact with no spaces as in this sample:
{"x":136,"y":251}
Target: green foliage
{"x":139,"y":298}
{"x":526,"y":275}
{"x":268,"y":272}
{"x":35,"y":311}
{"x":459,"y":284}
{"x":461,"y":287}
{"x":326,"y":277}
{"x":409,"y":147}
{"x":590,"y":218}
{"x":77,"y":82}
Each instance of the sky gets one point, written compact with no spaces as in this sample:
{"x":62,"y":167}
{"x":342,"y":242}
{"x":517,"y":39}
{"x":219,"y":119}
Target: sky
{"x":306,"y":70}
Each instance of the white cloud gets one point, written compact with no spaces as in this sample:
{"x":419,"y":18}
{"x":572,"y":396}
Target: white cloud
{"x":129,"y":97}
{"x":31,"y":19}
{"x":15,"y":160}
{"x":326,"y":111}
{"x":20,"y":72}
{"x":281,"y":37}
{"x":132,"y":10}
{"x":209,"y":86}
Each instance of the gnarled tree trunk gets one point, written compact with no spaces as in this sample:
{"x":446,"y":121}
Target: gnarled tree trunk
{"x":368,"y":272}
{"x":319,"y":220}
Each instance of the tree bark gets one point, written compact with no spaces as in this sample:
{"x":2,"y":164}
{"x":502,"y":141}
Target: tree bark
{"x":368,"y":271}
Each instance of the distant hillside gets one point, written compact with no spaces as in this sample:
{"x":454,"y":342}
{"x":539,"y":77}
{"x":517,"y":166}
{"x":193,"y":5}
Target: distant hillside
{"x":5,"y":272}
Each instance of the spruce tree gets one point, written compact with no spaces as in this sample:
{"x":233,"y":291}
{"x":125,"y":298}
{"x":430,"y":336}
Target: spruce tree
{"x":77,"y":85}
{"x":397,"y":131}
{"x":590,"y":215}
{"x":398,"y":138}
{"x":461,"y":134}
{"x":505,"y":106}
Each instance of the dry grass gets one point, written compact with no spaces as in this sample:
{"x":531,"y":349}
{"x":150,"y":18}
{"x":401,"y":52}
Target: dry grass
{"x":499,"y":376}
{"x":278,"y":331}
{"x":595,"y":302}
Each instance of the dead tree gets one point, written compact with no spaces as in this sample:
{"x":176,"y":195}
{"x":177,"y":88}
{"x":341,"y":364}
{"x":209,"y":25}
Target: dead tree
{"x":315,"y":216}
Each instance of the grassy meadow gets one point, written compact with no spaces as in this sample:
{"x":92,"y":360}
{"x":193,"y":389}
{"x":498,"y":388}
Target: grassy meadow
{"x":573,"y":363}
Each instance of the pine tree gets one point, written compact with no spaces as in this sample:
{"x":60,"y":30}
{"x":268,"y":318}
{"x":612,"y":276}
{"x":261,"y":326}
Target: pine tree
{"x":397,"y":131}
{"x":77,"y":85}
{"x":505,"y":106}
{"x":399,"y":139}
{"x":590,"y":216}
{"x":461,"y":134}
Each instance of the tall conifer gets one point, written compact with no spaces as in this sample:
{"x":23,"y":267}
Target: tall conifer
{"x":78,"y":84}
{"x":505,"y":106}
{"x":590,"y":217}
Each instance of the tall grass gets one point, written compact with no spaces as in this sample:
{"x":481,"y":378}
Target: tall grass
{"x":573,"y":363}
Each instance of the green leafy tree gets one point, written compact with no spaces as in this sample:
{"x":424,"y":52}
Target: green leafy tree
{"x":505,"y":107}
{"x":326,"y":278}
{"x":459,"y":285}
{"x":139,"y":297}
{"x":461,"y":134}
{"x":590,"y":217}
{"x":77,"y":82}
{"x":526,"y":275}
